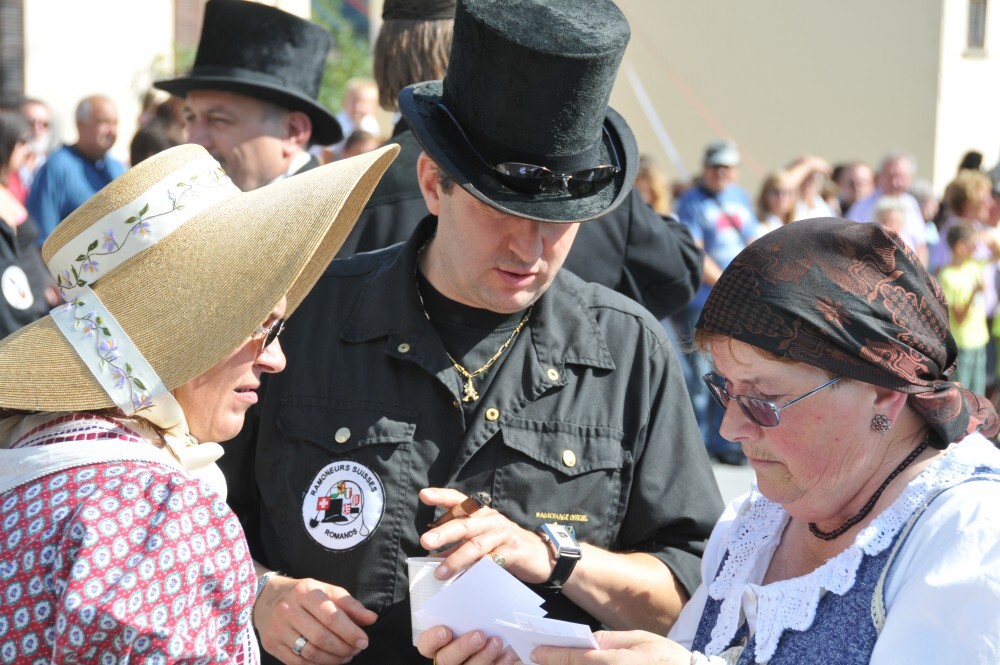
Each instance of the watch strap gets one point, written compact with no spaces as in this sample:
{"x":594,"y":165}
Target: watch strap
{"x":566,"y":559}
{"x":565,"y":563}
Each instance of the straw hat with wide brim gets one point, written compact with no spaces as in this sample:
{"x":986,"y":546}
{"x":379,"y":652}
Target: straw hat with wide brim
{"x":188,"y":299}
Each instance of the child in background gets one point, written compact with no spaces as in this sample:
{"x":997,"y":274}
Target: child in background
{"x":962,"y":284}
{"x":890,"y":212}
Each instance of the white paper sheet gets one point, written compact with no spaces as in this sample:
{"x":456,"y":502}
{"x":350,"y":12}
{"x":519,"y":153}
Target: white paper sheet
{"x":489,"y":599}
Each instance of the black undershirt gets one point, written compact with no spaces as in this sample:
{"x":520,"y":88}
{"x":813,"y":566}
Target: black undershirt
{"x":470,"y":334}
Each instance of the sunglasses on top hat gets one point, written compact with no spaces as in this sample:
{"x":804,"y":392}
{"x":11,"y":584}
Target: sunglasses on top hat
{"x":534,"y":179}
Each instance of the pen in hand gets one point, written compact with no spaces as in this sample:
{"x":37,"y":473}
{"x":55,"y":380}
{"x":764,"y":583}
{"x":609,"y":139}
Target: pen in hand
{"x":464,"y":509}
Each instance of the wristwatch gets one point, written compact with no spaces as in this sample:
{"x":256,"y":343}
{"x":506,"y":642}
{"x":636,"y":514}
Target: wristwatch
{"x":566,"y":550}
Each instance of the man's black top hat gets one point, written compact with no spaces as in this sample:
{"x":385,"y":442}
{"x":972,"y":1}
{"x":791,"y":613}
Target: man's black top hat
{"x":529,"y":82}
{"x":265,"y":53}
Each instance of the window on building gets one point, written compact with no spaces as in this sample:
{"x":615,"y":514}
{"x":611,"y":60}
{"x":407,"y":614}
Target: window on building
{"x":977,"y":25}
{"x":11,"y":50}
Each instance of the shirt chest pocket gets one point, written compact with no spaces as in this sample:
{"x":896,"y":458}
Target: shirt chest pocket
{"x":567,"y":473}
{"x":349,"y":466}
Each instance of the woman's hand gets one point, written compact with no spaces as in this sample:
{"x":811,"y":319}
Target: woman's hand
{"x":636,"y":647}
{"x":470,"y":649}
{"x":327,"y":616}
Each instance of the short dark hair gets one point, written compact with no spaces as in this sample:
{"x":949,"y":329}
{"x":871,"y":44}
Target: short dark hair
{"x":445,"y":181}
{"x":960,"y":231}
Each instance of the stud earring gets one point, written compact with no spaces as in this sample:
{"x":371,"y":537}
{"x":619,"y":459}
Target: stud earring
{"x":881,"y":423}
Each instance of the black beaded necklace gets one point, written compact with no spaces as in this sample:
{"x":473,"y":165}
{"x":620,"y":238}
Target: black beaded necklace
{"x":830,"y":535}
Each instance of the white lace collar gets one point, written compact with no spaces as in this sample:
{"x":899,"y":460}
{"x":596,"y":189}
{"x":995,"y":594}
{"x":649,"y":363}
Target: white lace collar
{"x":791,"y":604}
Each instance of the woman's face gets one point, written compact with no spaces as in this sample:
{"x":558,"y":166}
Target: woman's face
{"x":216,"y":402}
{"x":822,"y":454}
{"x":780,"y":198}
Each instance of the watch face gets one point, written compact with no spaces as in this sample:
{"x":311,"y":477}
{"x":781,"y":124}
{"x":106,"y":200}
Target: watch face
{"x":561,"y":537}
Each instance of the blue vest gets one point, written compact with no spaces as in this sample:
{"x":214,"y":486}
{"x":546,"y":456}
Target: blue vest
{"x":846,"y":627}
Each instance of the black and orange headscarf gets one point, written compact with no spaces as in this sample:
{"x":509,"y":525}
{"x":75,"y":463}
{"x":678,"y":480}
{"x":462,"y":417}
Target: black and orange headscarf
{"x":852,"y":299}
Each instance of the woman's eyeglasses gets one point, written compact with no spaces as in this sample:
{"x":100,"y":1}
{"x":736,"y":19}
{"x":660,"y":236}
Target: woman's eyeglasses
{"x":762,"y":412}
{"x":267,"y":334}
{"x":534,"y":179}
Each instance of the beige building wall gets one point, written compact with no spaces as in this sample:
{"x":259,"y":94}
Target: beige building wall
{"x":845,"y":80}
{"x":74,"y":49}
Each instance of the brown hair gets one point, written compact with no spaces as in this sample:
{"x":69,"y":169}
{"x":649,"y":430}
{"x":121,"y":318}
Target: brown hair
{"x":409,"y":51}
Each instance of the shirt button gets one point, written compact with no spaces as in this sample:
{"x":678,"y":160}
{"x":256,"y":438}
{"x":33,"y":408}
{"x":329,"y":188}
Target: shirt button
{"x":343,"y":435}
{"x":403,"y":348}
{"x":492,"y":414}
{"x":569,"y":458}
{"x":553,"y":374}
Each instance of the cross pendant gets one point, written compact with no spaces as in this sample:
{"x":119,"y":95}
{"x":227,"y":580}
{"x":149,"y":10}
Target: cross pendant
{"x":469,"y":394}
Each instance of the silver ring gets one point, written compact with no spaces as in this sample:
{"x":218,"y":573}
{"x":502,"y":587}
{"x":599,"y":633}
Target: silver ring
{"x":299,"y":645}
{"x":498,"y":559}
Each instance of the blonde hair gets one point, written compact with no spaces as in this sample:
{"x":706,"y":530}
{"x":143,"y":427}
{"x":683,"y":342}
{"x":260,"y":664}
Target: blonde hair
{"x":409,"y":51}
{"x":650,"y":172}
{"x":965,"y":188}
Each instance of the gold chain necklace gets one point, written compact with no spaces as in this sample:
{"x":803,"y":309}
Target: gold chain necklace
{"x":469,"y":393}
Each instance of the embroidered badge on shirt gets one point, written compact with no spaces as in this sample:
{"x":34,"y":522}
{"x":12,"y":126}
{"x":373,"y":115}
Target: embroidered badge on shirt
{"x":343,"y":505}
{"x":16,"y":289}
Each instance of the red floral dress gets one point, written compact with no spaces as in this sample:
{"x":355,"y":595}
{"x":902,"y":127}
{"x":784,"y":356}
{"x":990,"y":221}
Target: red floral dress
{"x":125,"y":561}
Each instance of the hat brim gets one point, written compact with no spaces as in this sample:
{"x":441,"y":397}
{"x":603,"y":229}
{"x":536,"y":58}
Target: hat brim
{"x":194,"y":296}
{"x":326,"y":128}
{"x":443,"y":142}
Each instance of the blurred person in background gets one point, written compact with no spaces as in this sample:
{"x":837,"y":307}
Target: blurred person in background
{"x":722,"y":222}
{"x":652,"y":185}
{"x":855,"y":181}
{"x":809,"y":173}
{"x":359,"y":141}
{"x":776,"y":201}
{"x":894,"y":177}
{"x":74,"y":173}
{"x":26,"y":292}
{"x":890,"y":212}
{"x":39,"y":117}
{"x":968,"y":198}
{"x":357,"y":112}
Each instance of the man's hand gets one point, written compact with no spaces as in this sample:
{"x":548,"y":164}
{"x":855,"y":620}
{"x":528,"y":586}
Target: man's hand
{"x":327,"y":616}
{"x":485,"y":533}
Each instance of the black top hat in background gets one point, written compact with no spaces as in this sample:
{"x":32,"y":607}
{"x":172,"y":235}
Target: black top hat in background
{"x":418,"y":10}
{"x":265,"y":53}
{"x":529,"y":81}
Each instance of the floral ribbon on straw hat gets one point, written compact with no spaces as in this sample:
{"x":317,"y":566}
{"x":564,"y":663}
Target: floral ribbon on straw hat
{"x":166,"y":271}
{"x":94,"y":333}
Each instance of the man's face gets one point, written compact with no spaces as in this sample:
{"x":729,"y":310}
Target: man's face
{"x":717,"y":178}
{"x":895,"y":177}
{"x":856,"y":183}
{"x":99,"y":132}
{"x":484,"y":258}
{"x":39,"y":118}
{"x":246,"y":135}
